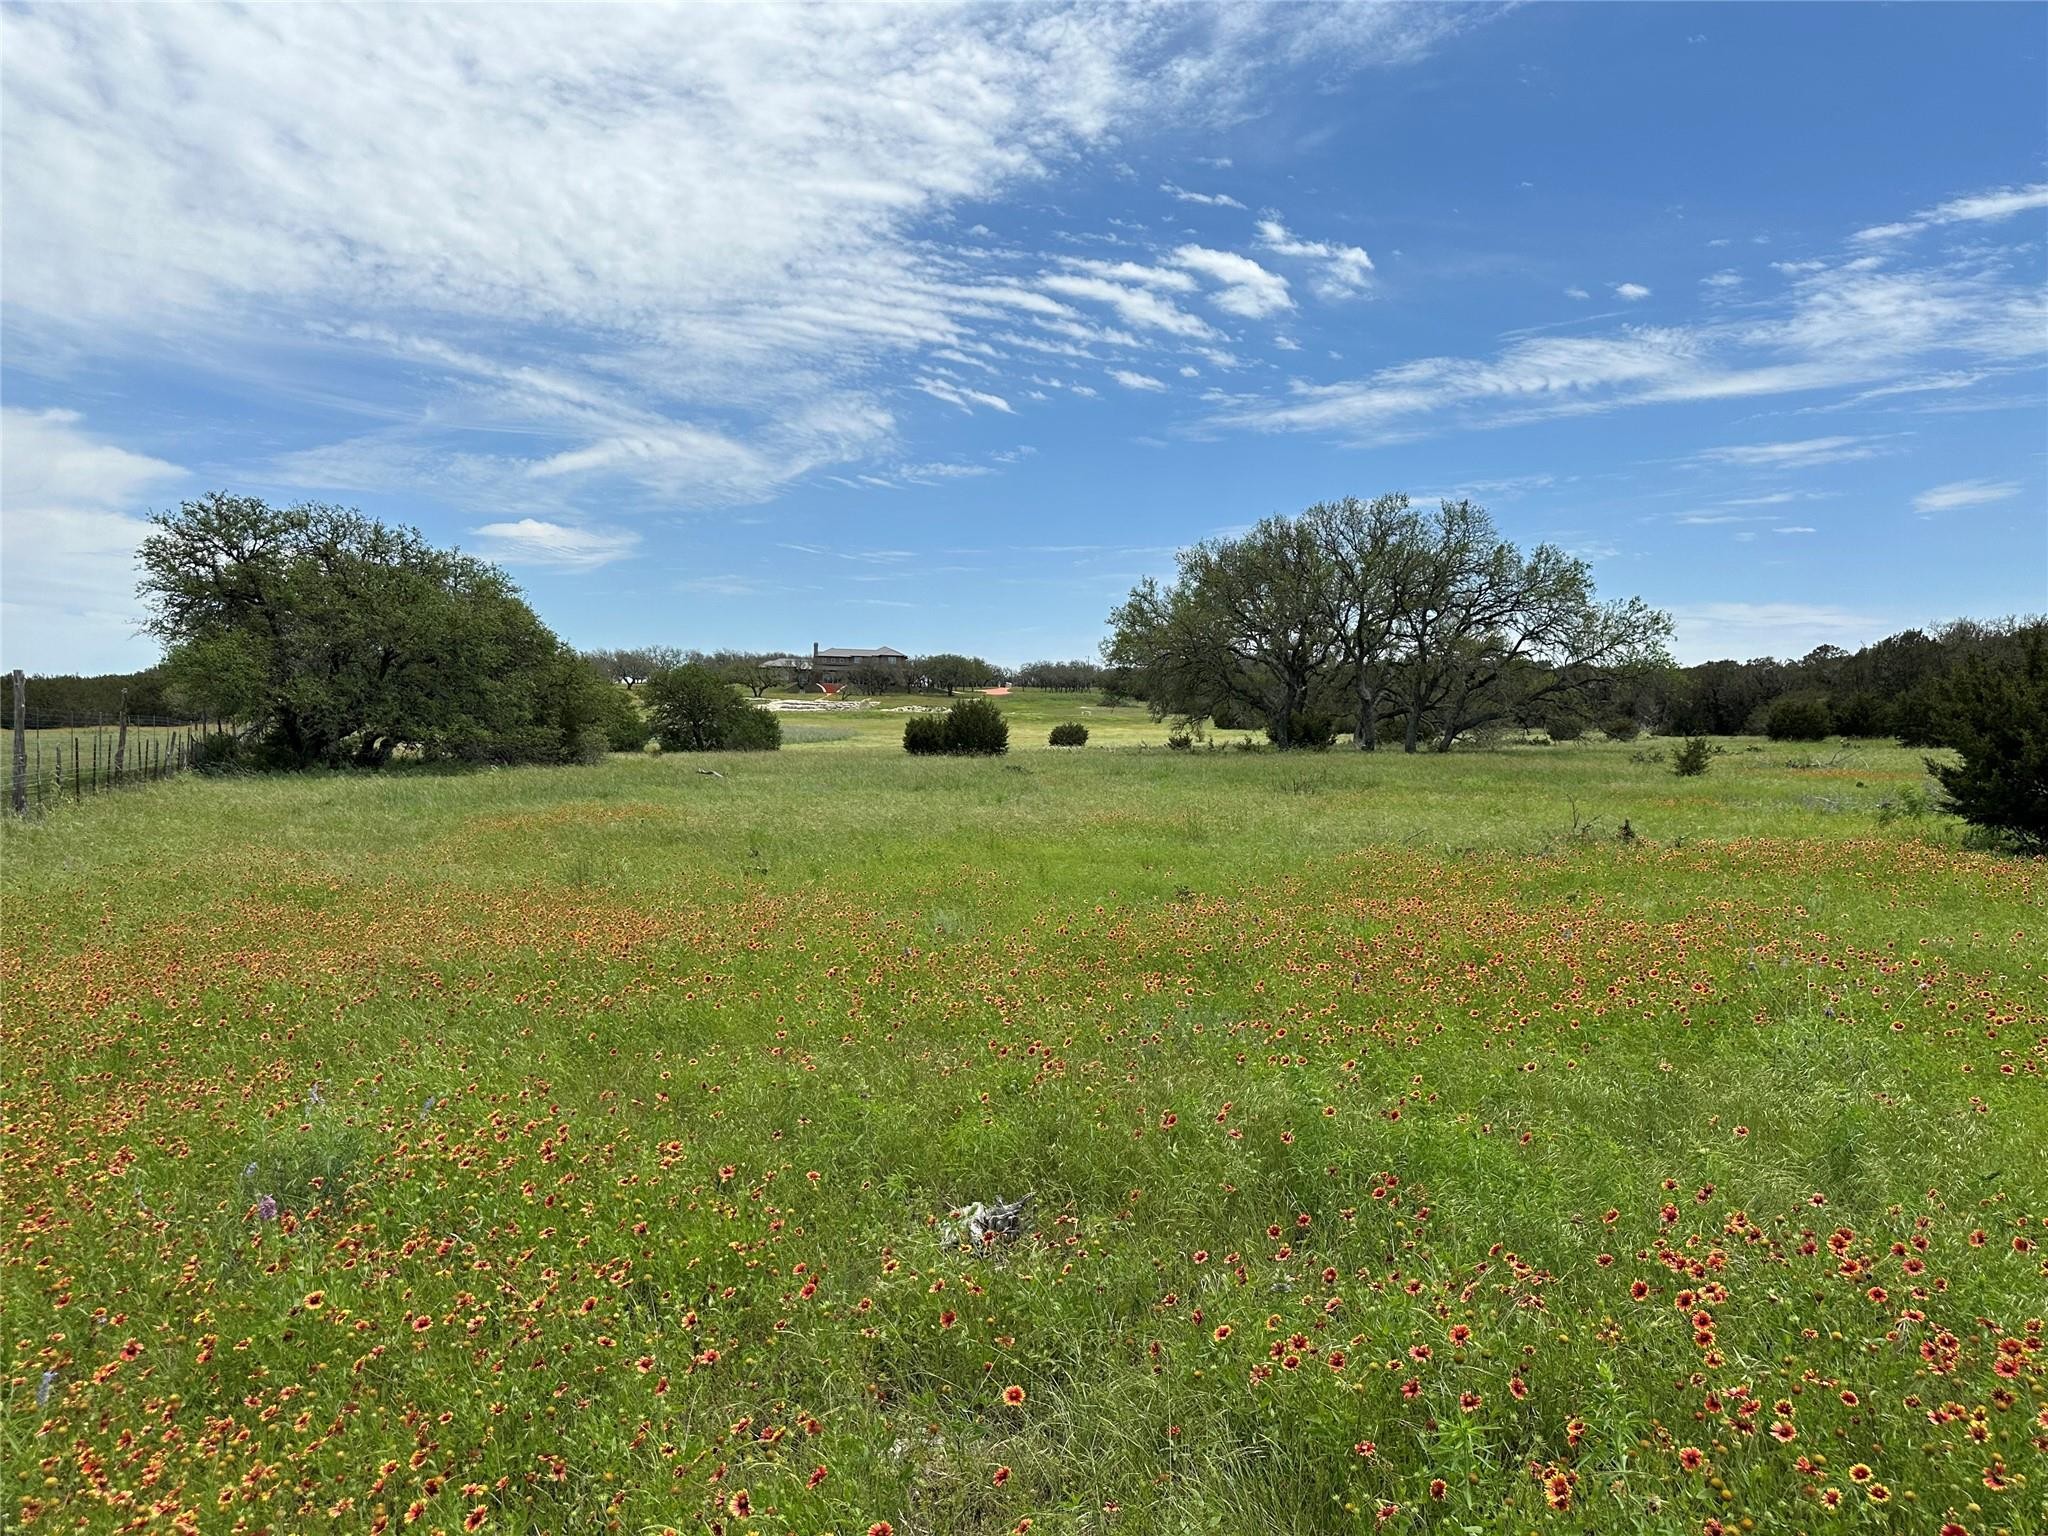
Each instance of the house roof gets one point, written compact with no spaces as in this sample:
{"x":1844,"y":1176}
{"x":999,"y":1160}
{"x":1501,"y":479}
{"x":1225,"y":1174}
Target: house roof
{"x":860,"y":653}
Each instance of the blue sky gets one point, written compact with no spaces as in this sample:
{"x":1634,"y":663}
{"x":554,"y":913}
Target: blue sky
{"x":937,"y":327}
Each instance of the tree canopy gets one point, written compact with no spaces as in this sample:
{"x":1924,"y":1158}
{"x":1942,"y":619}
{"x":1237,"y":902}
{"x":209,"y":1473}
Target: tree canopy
{"x":1419,"y":626}
{"x":695,"y":710}
{"x":332,"y":638}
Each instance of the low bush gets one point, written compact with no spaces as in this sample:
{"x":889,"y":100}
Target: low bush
{"x":976,"y":728}
{"x":1232,"y":716}
{"x":216,"y":752}
{"x":925,"y":735}
{"x":748,"y":729}
{"x":1314,"y":733}
{"x":1693,"y":758}
{"x":1566,"y":730}
{"x":971,"y":728}
{"x":1070,"y":734}
{"x":1621,"y":728}
{"x":618,"y":716}
{"x":695,"y":710}
{"x":1997,"y":719}
{"x":1797,"y":719}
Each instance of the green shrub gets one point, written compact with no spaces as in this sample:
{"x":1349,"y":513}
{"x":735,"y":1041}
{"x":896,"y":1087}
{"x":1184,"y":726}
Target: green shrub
{"x":1233,"y":716}
{"x":971,"y":728}
{"x":925,"y":735}
{"x":1315,"y":733}
{"x":1996,"y":716}
{"x":1863,"y":715}
{"x":1180,"y":740}
{"x":1071,"y":734}
{"x":618,"y":716}
{"x":1798,"y":719}
{"x":748,"y":729}
{"x":215,"y":752}
{"x":1621,"y":728}
{"x":695,"y":710}
{"x":1566,"y":729}
{"x":1693,"y":758}
{"x":976,"y":728}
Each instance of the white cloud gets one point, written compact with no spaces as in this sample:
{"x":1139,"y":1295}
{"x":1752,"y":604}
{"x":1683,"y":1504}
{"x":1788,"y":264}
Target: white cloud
{"x":1245,"y":288}
{"x":1343,"y":269}
{"x":532,"y":541}
{"x":1795,"y":528}
{"x":1210,"y":199}
{"x":1576,"y":292}
{"x":612,"y":235}
{"x":1806,"y":453}
{"x":1130,"y":380}
{"x":1135,"y":272}
{"x":1964,"y":493}
{"x":1851,"y":325}
{"x":1722,"y":282}
{"x":1633,"y":292}
{"x":67,"y":544}
{"x":2000,"y":204}
{"x":1140,"y":307}
{"x":959,"y":394}
{"x":1738,"y":631}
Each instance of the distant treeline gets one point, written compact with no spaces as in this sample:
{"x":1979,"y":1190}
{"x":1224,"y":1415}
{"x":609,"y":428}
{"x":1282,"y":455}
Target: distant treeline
{"x":1893,"y":687}
{"x":76,"y":697}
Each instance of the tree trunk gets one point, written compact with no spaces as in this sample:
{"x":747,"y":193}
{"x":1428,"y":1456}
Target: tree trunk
{"x":1365,"y":732}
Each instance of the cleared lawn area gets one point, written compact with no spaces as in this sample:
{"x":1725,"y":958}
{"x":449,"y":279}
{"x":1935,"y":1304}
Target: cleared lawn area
{"x":574,"y":1149}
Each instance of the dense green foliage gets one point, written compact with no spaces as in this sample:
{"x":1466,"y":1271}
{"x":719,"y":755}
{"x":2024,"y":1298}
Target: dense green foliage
{"x":1069,"y":733}
{"x":925,"y":736}
{"x":1373,"y":613}
{"x":1693,"y":759}
{"x":969,"y":728}
{"x":332,"y":639}
{"x":1996,"y":717}
{"x":69,"y":697}
{"x":1412,"y":1153}
{"x":947,"y":672}
{"x":1798,"y":719}
{"x":976,"y":728}
{"x":618,"y":714}
{"x":1892,"y":687}
{"x":695,"y":710}
{"x":1068,"y":677}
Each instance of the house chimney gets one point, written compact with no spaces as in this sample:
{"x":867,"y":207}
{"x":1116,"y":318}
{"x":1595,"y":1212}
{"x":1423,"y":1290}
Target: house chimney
{"x":814,"y":652}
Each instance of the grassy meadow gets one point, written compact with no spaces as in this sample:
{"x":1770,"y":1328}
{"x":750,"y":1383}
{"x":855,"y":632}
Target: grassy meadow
{"x":578,"y":1149}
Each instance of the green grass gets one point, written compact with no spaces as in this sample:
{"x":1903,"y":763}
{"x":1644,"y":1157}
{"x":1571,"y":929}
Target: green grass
{"x":652,"y":1092}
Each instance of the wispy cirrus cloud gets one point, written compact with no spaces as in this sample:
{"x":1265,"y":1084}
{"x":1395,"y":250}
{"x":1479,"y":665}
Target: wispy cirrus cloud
{"x":1958,"y":494}
{"x":1802,"y":453}
{"x":2001,"y":203}
{"x":1855,"y":323}
{"x":1209,"y":199}
{"x":627,"y":261}
{"x":534,"y":541}
{"x":1342,"y":269}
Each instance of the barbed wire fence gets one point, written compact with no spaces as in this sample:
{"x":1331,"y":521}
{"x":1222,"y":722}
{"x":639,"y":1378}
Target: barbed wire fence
{"x":59,"y":754}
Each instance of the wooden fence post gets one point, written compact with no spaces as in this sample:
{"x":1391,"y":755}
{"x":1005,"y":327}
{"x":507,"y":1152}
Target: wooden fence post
{"x":121,"y":742}
{"x":77,"y":775}
{"x":20,"y":743}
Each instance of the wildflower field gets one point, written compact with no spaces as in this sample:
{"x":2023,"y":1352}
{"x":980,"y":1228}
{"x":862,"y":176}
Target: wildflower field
{"x":579,"y":1149}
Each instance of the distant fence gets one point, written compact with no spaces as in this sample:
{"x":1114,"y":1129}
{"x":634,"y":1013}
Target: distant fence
{"x":55,"y":754}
